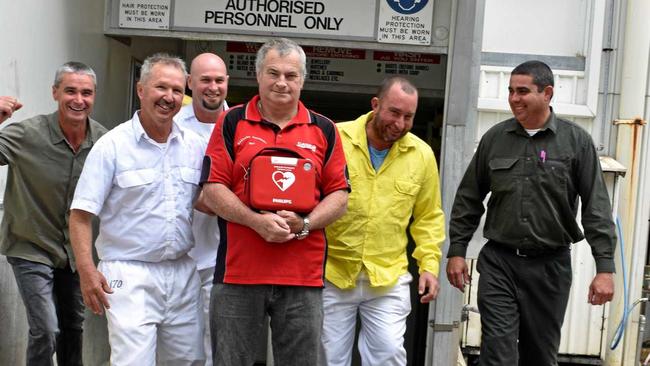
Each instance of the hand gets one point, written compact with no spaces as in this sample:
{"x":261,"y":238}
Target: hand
{"x":294,"y":220}
{"x":601,"y":289}
{"x":8,"y":105}
{"x":273,"y":228}
{"x":457,"y":273}
{"x":428,"y":287}
{"x":94,"y":289}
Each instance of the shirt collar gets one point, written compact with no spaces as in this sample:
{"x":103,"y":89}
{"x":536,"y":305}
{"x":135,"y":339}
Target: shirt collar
{"x":56,"y":134}
{"x":187,"y":112}
{"x":513,"y":125}
{"x":253,"y":113}
{"x":139,"y":133}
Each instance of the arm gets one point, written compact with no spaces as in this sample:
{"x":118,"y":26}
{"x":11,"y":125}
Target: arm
{"x":329,"y":209}
{"x":468,"y":206}
{"x":222,"y":201}
{"x":597,"y":222}
{"x":91,"y":191}
{"x":217,"y":196}
{"x":326,"y":212}
{"x":8,"y":105}
{"x":333,"y":183}
{"x":202,"y":205}
{"x":428,"y":230}
{"x":12,"y":140}
{"x":93,"y":284}
{"x":596,"y":208}
{"x":465,"y":217}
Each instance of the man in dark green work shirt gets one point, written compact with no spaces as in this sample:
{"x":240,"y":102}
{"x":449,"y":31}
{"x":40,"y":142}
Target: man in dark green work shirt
{"x":535,"y":166}
{"x":45,"y":155}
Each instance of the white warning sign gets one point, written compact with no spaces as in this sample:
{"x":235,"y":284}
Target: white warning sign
{"x":405,"y":21}
{"x":339,"y":19}
{"x":144,"y":14}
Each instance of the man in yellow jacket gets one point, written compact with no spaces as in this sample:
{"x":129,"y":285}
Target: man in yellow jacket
{"x":394,"y":177}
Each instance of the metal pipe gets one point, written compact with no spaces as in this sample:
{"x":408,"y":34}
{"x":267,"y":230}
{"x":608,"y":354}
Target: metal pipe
{"x":633,"y":78}
{"x":639,"y":341}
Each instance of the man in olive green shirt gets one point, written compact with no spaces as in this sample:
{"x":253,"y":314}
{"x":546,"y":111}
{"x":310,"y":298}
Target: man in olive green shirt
{"x":45,"y":155}
{"x":535,"y":166}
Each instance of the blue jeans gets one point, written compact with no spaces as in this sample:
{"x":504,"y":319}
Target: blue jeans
{"x":237,"y":321}
{"x":55,"y":312}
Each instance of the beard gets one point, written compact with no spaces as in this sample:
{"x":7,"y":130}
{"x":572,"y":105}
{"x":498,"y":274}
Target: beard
{"x":212,"y":106}
{"x":381,"y":131}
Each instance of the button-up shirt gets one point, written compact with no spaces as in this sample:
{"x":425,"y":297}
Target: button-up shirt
{"x":42,"y":176}
{"x":142,"y":191}
{"x":535,"y":182}
{"x":372,"y":234}
{"x":204,"y":227}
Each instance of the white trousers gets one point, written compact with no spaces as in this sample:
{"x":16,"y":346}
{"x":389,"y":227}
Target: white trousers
{"x":206,"y":275}
{"x":383,"y":312}
{"x":155,"y":315}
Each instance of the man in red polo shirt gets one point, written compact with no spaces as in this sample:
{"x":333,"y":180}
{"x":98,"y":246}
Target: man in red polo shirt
{"x":271,"y":262}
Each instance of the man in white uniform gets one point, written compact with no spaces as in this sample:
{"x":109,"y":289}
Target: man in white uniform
{"x":141,"y":179}
{"x":208,"y":81}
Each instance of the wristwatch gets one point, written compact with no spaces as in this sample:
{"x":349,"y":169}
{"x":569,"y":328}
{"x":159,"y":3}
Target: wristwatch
{"x":305,"y":229}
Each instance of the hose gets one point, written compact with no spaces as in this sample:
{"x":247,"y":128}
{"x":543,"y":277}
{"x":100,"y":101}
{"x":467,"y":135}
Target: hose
{"x":620,"y":329}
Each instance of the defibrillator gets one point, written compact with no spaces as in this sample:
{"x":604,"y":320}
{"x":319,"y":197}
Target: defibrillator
{"x":282,"y":179}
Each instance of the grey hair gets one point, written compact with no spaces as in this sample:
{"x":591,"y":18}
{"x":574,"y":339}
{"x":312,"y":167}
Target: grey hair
{"x":163,"y":59}
{"x":73,"y":67}
{"x":283,"y":46}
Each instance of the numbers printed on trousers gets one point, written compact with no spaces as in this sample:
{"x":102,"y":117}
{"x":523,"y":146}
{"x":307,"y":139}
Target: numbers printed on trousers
{"x":115,"y":284}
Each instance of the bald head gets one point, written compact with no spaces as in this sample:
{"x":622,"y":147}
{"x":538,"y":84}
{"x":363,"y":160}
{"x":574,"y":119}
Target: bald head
{"x":207,"y":61}
{"x":208,"y":81}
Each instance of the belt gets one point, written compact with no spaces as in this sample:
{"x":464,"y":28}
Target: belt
{"x":533,"y":252}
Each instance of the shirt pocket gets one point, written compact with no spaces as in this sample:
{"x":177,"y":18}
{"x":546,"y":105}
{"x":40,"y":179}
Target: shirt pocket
{"x":502,"y":174}
{"x":137,"y":188}
{"x":189,"y":184}
{"x":403,"y":198}
{"x":555,"y":174}
{"x":358,"y":201}
{"x":190,"y":175}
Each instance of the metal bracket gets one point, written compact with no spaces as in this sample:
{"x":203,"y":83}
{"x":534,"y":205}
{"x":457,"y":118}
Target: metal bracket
{"x":443,"y":327}
{"x":632,"y":121}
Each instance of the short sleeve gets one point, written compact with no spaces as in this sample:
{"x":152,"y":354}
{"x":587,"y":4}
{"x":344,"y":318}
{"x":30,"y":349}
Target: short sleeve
{"x":218,"y":160}
{"x":96,"y":177}
{"x":335,"y":174}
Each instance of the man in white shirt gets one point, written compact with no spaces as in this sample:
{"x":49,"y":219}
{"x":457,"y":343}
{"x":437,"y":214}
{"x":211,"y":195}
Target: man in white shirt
{"x":141,"y":180}
{"x":208,"y":81}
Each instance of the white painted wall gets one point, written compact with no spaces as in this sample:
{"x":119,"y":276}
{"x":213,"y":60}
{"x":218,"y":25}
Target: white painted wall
{"x":41,"y":35}
{"x":37,"y":37}
{"x":566,"y":28}
{"x":550,"y":27}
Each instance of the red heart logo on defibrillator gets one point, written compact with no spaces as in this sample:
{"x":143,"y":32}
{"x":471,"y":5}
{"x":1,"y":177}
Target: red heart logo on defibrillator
{"x":283,"y":180}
